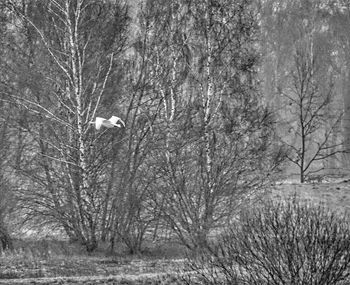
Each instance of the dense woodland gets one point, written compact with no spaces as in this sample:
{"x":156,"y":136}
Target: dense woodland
{"x":220,"y":99}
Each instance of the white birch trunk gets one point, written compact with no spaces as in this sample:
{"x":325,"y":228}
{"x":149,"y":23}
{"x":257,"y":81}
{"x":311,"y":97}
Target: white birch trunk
{"x":207,"y":101}
{"x":346,"y":117}
{"x":77,"y":90}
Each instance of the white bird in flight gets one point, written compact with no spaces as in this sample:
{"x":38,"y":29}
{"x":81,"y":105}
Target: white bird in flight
{"x":110,"y":123}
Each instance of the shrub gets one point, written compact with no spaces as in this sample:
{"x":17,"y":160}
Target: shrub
{"x":284,"y":242}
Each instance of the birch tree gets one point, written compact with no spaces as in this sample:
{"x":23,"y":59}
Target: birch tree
{"x":70,"y":51}
{"x":216,"y":133}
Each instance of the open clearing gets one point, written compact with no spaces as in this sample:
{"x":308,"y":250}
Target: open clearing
{"x":333,"y":195}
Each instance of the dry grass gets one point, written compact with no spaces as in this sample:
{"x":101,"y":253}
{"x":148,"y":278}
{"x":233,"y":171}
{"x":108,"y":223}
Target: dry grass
{"x":15,"y":265}
{"x":47,"y":262}
{"x":52,"y":259}
{"x":333,"y":195}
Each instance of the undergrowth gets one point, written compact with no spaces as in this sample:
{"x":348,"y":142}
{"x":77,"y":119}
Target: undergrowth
{"x":283,"y":242}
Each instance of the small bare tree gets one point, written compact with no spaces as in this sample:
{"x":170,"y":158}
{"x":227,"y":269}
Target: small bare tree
{"x":312,"y":127}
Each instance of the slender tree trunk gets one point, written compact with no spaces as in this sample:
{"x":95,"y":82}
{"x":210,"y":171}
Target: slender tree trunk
{"x":105,"y":224}
{"x":302,"y":155}
{"x":346,"y":117}
{"x":5,"y":239}
{"x":86,"y":217}
{"x":207,"y":106}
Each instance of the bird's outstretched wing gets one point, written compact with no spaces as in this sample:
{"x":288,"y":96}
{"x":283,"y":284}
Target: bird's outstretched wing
{"x":114,"y":120}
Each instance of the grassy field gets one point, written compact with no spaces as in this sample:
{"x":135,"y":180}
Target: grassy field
{"x":88,"y":270}
{"x":333,"y":195}
{"x":58,"y":262}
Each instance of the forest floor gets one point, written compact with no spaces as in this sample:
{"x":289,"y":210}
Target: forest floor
{"x":60,"y":263}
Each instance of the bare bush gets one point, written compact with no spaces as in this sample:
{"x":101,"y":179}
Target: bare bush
{"x":279,"y":243}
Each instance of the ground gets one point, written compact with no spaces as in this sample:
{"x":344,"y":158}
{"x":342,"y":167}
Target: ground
{"x":86,"y":270}
{"x":53,"y":262}
{"x":334,"y":195}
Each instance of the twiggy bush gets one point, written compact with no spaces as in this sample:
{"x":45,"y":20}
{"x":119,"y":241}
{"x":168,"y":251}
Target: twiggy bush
{"x":280,"y":243}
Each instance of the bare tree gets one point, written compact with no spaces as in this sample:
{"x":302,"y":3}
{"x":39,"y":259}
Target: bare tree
{"x":312,"y":126}
{"x":7,"y":179}
{"x":7,"y":201}
{"x":128,"y":217}
{"x":216,"y":134}
{"x":69,"y":51}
